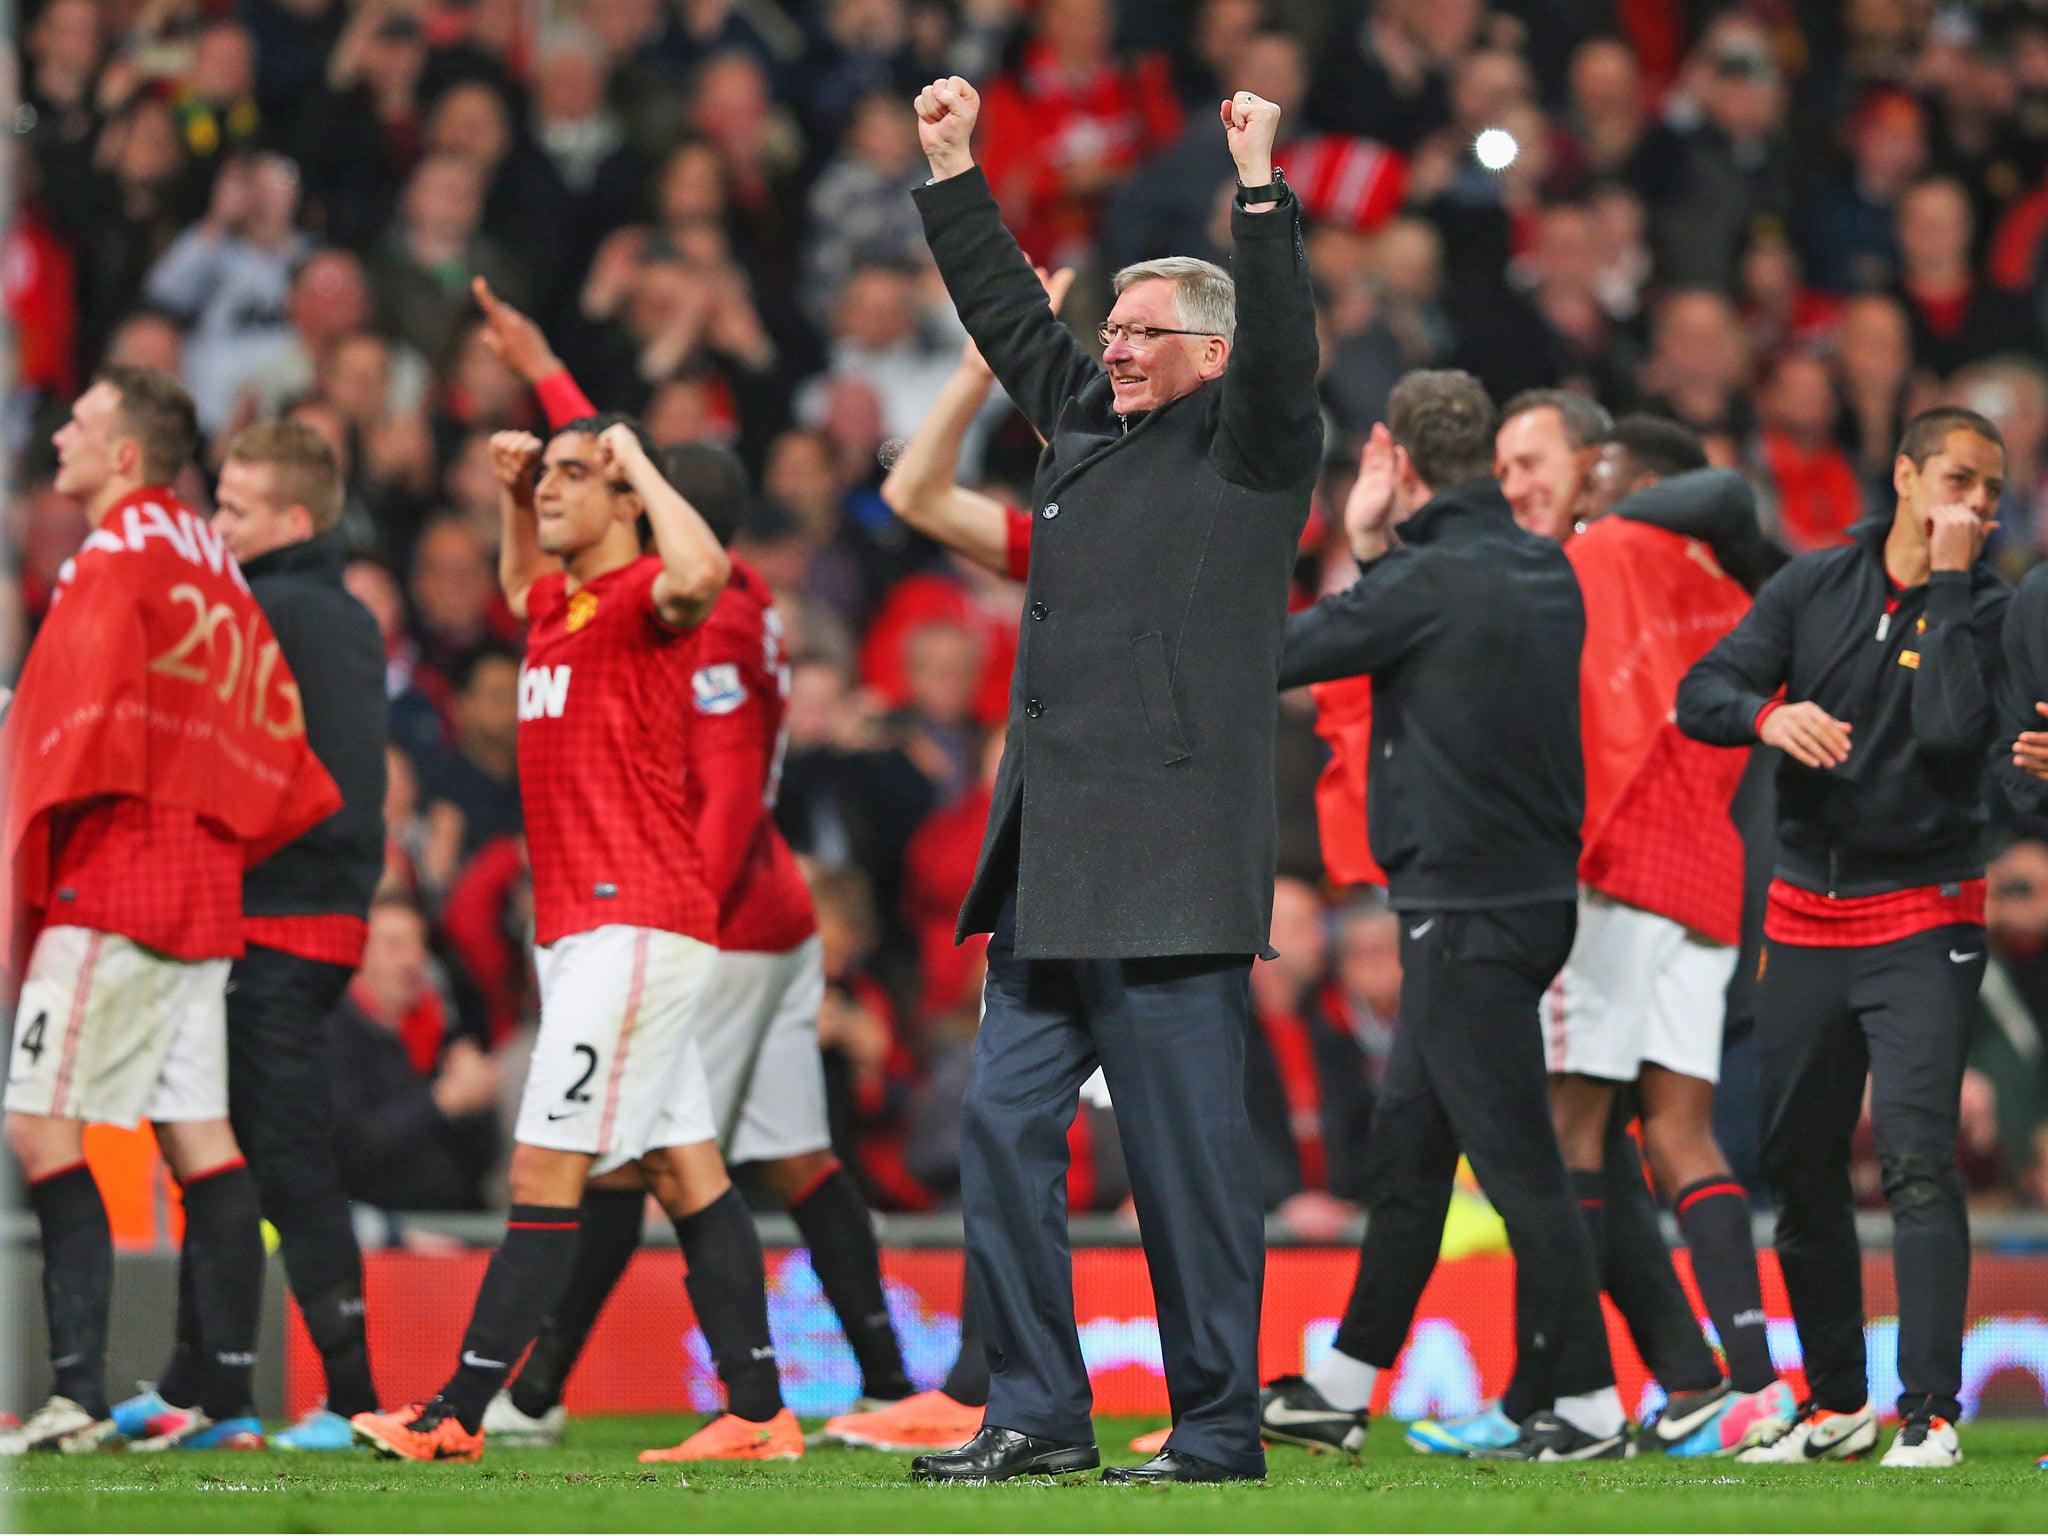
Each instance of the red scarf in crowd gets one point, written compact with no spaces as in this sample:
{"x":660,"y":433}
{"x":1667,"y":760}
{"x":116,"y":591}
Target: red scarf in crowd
{"x":157,"y":676}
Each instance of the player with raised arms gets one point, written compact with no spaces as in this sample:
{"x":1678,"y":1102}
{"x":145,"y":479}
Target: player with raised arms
{"x":624,"y":921}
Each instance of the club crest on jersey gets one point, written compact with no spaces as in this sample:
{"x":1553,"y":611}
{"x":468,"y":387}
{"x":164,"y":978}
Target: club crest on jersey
{"x":582,"y":609}
{"x":543,"y":692}
{"x":718,"y":689}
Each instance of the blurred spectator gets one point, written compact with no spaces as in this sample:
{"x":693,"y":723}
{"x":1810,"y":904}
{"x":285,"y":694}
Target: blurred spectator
{"x":1874,"y":367}
{"x":1168,"y":205}
{"x":982,"y":609}
{"x":329,"y":299}
{"x":1066,"y":128}
{"x":844,"y":542}
{"x":1387,"y":316}
{"x":938,"y":869}
{"x":2012,"y":390}
{"x":2009,"y":1044}
{"x":851,"y":795}
{"x":361,"y":134}
{"x":227,"y":277}
{"x":416,"y":723}
{"x":456,"y":606}
{"x":1606,"y":113}
{"x":865,"y":48}
{"x":1305,"y":1084}
{"x":1812,"y":493}
{"x":215,"y":101}
{"x":472,"y":785}
{"x":1698,"y":370}
{"x":1363,"y":998}
{"x":1779,"y":310}
{"x":422,"y":270}
{"x":860,"y":204}
{"x":1381,"y":71}
{"x":1718,"y":162}
{"x":593,"y":176}
{"x":867,"y":1071}
{"x":878,"y":340}
{"x":123,"y":215}
{"x":1956,"y":317}
{"x":1852,"y":242}
{"x":414,"y":1111}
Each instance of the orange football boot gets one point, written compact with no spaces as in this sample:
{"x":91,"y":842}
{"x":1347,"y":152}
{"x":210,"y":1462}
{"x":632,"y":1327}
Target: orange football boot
{"x":926,"y":1421}
{"x":732,"y":1438}
{"x":1153,"y":1442}
{"x":415,"y":1434}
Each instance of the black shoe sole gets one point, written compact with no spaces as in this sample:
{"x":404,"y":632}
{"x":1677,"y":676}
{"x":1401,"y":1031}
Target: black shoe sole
{"x":1126,"y":1477}
{"x":1050,"y":1464}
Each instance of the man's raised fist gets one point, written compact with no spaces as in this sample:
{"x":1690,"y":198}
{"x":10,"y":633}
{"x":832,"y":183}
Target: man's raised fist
{"x":946,"y":110}
{"x":1251,"y":123}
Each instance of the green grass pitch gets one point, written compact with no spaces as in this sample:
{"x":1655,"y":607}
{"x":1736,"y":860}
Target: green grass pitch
{"x":593,"y":1483}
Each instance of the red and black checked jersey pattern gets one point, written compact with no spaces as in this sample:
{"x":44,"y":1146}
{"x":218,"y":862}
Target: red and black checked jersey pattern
{"x":1794,"y":915}
{"x":604,"y":725}
{"x":156,"y":874}
{"x":739,"y":698}
{"x":1670,"y":847}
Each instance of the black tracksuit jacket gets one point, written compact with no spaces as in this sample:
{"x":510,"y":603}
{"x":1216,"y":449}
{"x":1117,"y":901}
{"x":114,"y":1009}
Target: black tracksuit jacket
{"x":1917,"y":688}
{"x":337,"y":657}
{"x":1471,"y":629}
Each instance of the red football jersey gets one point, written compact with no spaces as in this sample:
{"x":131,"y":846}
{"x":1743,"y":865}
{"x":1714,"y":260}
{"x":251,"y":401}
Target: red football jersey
{"x":604,"y":727}
{"x":739,"y":697}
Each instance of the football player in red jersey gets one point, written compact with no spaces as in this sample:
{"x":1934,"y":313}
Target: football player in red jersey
{"x":624,"y":923}
{"x":758,"y":1027}
{"x":154,"y":749}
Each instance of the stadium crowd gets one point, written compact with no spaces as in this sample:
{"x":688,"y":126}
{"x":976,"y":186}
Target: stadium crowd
{"x":1788,"y":226}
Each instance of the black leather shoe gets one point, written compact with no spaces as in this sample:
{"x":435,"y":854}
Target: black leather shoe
{"x":1171,"y":1466}
{"x":996,"y":1454}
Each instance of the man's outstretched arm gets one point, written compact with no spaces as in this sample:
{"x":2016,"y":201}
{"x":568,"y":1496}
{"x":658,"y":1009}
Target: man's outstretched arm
{"x":991,"y":284}
{"x":1272,"y":425}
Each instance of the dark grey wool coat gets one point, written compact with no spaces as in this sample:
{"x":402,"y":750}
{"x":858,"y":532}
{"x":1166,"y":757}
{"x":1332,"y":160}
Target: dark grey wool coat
{"x":1134,"y":807}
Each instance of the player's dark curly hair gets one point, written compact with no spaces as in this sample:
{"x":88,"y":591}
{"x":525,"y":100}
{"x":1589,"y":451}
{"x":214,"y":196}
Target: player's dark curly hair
{"x":596,"y":425}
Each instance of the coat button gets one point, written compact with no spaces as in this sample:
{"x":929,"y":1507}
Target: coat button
{"x":1033,"y":709}
{"x":1039,"y":610}
{"x":1052,"y":509}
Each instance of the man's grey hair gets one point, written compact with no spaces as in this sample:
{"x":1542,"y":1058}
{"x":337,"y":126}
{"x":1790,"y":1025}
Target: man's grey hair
{"x":1585,"y":422}
{"x":1204,"y":296}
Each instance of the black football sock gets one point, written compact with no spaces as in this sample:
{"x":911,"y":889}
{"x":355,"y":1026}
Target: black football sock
{"x":840,"y":1235}
{"x":224,"y":1240}
{"x":179,"y":1385}
{"x":335,"y":1324}
{"x":967,"y":1382}
{"x":1713,"y":1215}
{"x":78,"y":1282}
{"x":728,"y":1286}
{"x":1639,"y":1278}
{"x":521,"y":1284}
{"x":324,"y":1263}
{"x":611,"y":1233}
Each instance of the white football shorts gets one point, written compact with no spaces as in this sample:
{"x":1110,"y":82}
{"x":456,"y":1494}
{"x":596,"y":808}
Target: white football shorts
{"x":758,"y":1031}
{"x":617,"y":1045}
{"x":113,"y":1033}
{"x":1637,"y":988}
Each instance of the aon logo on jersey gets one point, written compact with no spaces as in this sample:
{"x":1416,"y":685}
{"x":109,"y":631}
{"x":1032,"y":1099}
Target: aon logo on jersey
{"x":542,"y":692}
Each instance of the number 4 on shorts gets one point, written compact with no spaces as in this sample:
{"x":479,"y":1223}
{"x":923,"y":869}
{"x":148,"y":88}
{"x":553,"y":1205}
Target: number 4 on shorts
{"x":31,"y":1042}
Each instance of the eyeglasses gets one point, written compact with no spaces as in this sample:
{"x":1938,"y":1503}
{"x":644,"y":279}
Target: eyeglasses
{"x":1140,"y":335}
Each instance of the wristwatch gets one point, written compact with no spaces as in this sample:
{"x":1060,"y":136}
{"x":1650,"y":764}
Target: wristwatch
{"x":1271,"y":192}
